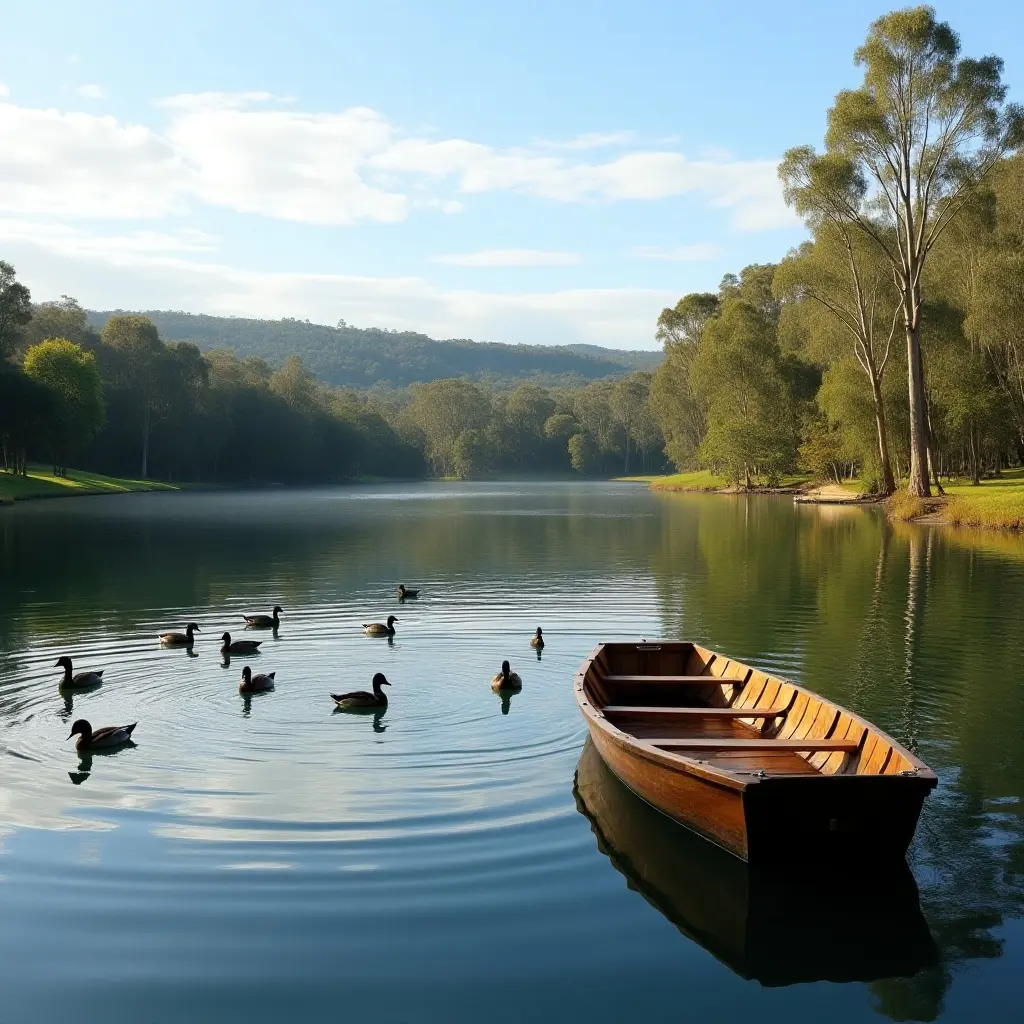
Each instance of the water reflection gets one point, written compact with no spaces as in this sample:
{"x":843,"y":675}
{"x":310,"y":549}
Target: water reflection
{"x":863,"y":926}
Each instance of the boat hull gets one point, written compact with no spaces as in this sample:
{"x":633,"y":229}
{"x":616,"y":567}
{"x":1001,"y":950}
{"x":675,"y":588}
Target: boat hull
{"x":849,"y":802}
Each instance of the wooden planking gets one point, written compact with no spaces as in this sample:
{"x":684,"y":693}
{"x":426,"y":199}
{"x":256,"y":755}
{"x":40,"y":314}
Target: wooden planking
{"x":795,"y":716}
{"x":834,"y":764}
{"x":638,"y":711}
{"x":752,"y":744}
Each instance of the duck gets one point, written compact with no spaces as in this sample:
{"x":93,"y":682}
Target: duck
{"x":256,"y":683}
{"x":506,"y":679}
{"x":238,"y":646}
{"x":359,"y":699}
{"x":180,"y":639}
{"x":80,"y":680}
{"x":404,"y":592}
{"x":108,"y":736}
{"x":537,"y":640}
{"x":379,"y":628}
{"x":271,"y":621}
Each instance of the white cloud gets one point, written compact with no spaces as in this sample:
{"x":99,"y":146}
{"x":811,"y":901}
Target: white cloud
{"x":116,"y":250}
{"x":4,"y":91}
{"x":245,"y":153}
{"x":509,"y":258}
{"x":91,"y":92}
{"x":699,"y":252}
{"x":83,"y":165}
{"x":590,"y":140}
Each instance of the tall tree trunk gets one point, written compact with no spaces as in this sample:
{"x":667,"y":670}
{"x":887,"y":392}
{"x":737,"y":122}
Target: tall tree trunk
{"x":626,"y":473}
{"x":147,"y":415}
{"x":888,"y":481}
{"x":917,"y":479}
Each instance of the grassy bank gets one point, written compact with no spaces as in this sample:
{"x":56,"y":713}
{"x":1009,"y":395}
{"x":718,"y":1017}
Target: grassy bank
{"x":40,"y":483}
{"x":992,"y":504}
{"x":705,"y":480}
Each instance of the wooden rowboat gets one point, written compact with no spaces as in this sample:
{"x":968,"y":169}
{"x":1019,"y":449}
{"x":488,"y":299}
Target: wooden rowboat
{"x":760,"y":766}
{"x":759,"y":919}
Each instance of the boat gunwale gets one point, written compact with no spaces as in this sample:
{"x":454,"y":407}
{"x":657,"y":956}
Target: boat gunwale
{"x":730,"y":779}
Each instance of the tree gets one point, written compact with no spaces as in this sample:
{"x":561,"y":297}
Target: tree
{"x":630,"y":406}
{"x":925,"y":127}
{"x":15,"y":309}
{"x":847,"y":285}
{"x":680,"y":412}
{"x":63,"y":318}
{"x":751,"y":412}
{"x":581,"y":453}
{"x":442,"y":410}
{"x":140,"y":360}
{"x":71,"y":374}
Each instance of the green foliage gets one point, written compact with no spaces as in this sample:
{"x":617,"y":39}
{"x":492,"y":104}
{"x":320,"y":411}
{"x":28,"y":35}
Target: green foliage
{"x":15,"y":309}
{"x":347,"y":356}
{"x":71,"y":374}
{"x":581,"y":453}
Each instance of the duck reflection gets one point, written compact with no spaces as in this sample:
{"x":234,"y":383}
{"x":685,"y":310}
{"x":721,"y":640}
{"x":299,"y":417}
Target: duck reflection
{"x":377,"y":714}
{"x":85,"y":759}
{"x":776,"y":925}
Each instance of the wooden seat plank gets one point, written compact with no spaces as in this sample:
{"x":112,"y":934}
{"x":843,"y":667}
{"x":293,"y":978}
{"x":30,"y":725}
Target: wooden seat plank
{"x":751,"y":744}
{"x":685,"y":680}
{"x":636,"y":711}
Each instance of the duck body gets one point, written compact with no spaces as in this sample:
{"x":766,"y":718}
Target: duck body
{"x":271,"y":621}
{"x":99,"y":739}
{"x":537,"y":640}
{"x":228,"y":646}
{"x":381,"y":628}
{"x":506,"y":679}
{"x":78,"y":680}
{"x":359,"y":700}
{"x":185,"y":639}
{"x":259,"y":683}
{"x":404,"y":592}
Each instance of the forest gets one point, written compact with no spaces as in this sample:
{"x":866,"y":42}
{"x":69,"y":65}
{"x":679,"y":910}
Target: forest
{"x":887,"y":346}
{"x":348,"y":356}
{"x":124,"y":401}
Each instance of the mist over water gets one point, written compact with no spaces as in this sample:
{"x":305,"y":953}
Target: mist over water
{"x":251,"y":857}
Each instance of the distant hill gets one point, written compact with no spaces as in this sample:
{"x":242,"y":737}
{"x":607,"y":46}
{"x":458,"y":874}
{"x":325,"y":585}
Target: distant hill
{"x":360,"y":358}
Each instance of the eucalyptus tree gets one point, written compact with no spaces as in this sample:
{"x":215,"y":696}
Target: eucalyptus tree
{"x":681,"y":412}
{"x":841,"y":290}
{"x":15,"y":309}
{"x":906,"y":150}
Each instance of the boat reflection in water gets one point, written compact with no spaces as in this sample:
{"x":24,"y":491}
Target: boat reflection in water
{"x":776,"y":925}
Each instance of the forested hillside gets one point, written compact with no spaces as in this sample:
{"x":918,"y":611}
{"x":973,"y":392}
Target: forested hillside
{"x":359,"y":358}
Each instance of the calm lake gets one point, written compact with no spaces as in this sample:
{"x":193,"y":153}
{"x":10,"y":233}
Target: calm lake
{"x":268,"y":858}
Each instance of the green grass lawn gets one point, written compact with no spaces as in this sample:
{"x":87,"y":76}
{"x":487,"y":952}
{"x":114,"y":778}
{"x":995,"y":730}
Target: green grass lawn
{"x":40,"y":483}
{"x":993,"y":503}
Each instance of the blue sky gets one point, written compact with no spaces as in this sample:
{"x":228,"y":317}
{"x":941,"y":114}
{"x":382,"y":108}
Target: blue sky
{"x":522,"y":172}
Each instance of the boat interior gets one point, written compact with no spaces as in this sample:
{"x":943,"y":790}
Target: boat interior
{"x":689,"y":702}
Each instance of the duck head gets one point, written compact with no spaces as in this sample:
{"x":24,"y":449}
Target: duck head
{"x":192,"y":628}
{"x":277,"y":610}
{"x":540,"y":632}
{"x":379,"y":681}
{"x":392,"y":619}
{"x":81,"y":728}
{"x":506,"y":668}
{"x":64,"y":663}
{"x":247,"y":675}
{"x":226,"y":639}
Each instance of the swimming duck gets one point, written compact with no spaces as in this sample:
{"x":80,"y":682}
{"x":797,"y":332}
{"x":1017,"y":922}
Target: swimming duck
{"x":108,"y":736}
{"x":506,"y":679}
{"x":238,"y":646}
{"x":379,"y":629}
{"x":264,"y":621}
{"x":537,"y":640}
{"x":359,"y":699}
{"x":79,"y":681}
{"x":256,"y":683}
{"x":180,"y":639}
{"x":404,"y":592}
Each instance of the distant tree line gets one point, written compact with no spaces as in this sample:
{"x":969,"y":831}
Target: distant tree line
{"x":123,"y":401}
{"x":890,"y":342}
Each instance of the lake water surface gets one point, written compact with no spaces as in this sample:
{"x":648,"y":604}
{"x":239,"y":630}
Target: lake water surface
{"x":267,"y":858}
